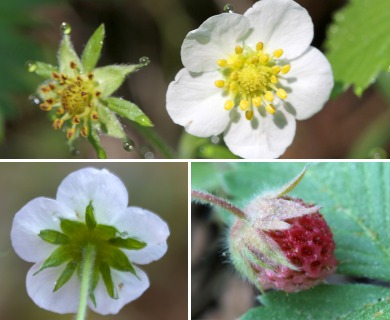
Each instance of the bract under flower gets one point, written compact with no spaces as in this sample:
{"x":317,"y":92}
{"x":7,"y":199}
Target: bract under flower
{"x":249,"y":77}
{"x":90,"y":210}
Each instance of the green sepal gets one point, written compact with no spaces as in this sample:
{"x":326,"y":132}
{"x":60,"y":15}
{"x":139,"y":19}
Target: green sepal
{"x":65,"y":275}
{"x":58,"y":257}
{"x":109,"y":123}
{"x":94,"y":139}
{"x":89,"y":217}
{"x":106,"y":232}
{"x":110,"y":78}
{"x":119,"y":261}
{"x":127,"y":110}
{"x":53,"y":236}
{"x":93,"y":48}
{"x":128,"y":243}
{"x":66,"y":55}
{"x":44,"y":70}
{"x":94,"y":283}
{"x":70,"y":227}
{"x":107,"y":279}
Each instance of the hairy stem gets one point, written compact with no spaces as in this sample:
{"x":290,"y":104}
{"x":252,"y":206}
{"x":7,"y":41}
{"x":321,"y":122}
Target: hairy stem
{"x":212,"y":199}
{"x":87,"y":266}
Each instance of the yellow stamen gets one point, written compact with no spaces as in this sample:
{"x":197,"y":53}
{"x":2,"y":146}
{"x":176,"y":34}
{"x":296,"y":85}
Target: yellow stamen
{"x":256,"y":101}
{"x":244,"y":104}
{"x":219,"y":83}
{"x":286,"y":68}
{"x":84,"y":131}
{"x":234,"y":76}
{"x":229,"y":104}
{"x":70,"y":133}
{"x":76,"y":120}
{"x":259,"y":46}
{"x":94,"y":115}
{"x":270,"y":109}
{"x":222,"y":63}
{"x":233,"y":86}
{"x":249,"y":114}
{"x":281,"y":93}
{"x":278,"y":53}
{"x":264,"y":58}
{"x":274,"y":79}
{"x":45,"y":107}
{"x":57,"y":124}
{"x":60,"y":111}
{"x":239,"y":49}
{"x":276,"y":69}
{"x":255,"y":59}
{"x":269,"y":96}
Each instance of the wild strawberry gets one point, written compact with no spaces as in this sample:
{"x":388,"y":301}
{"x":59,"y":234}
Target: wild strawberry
{"x":282,"y":243}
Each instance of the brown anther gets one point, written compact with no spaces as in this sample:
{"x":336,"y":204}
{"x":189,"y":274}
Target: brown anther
{"x":52,"y":86}
{"x":44,"y":89}
{"x":64,"y":77}
{"x":73,"y":65}
{"x":70,"y":133}
{"x":79,"y":78}
{"x":45,"y":107}
{"x":50,"y":101}
{"x":98,"y":93}
{"x":94,"y":115}
{"x":55,"y":75}
{"x":84,"y":131}
{"x":90,"y":76}
{"x":83,"y":93}
{"x":60,"y":111}
{"x":76,"y":120}
{"x":57,"y":124}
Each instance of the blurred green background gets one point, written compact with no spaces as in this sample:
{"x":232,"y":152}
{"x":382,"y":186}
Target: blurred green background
{"x":29,"y":30}
{"x":150,"y":186}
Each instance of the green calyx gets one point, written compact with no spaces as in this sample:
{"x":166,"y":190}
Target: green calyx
{"x":73,"y":241}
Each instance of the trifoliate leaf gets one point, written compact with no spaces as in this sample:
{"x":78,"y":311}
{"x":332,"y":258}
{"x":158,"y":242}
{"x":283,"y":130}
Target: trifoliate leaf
{"x":65,"y":275}
{"x":359,"y":43}
{"x":93,"y":48}
{"x":67,"y":57}
{"x":53,"y":236}
{"x":111,"y":77}
{"x":58,"y":257}
{"x":324,"y":302}
{"x":127,"y":110}
{"x":90,"y":217}
{"x":107,"y":279}
{"x":127,"y":243}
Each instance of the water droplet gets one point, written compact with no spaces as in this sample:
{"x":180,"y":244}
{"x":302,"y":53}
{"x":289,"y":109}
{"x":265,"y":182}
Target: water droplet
{"x":143,"y":120}
{"x":147,"y":153}
{"x":35,"y":100}
{"x":215,"y":139}
{"x":31,"y":66}
{"x":228,"y":8}
{"x":66,"y":28}
{"x":144,"y":60}
{"x":75,"y":152}
{"x":377,"y":153}
{"x":128,"y":145}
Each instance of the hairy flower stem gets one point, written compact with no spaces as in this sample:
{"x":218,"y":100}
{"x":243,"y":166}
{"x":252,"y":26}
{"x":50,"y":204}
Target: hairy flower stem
{"x":87,"y":265}
{"x":211,"y":199}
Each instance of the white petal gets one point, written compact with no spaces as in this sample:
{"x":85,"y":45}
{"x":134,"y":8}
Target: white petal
{"x":280,"y":24}
{"x":194,"y":102}
{"x":215,"y":39}
{"x":106,"y":191}
{"x":261,"y":137}
{"x":40,"y":289}
{"x":310,"y":81}
{"x":36,"y":215}
{"x":147,"y":227}
{"x":127,"y":286}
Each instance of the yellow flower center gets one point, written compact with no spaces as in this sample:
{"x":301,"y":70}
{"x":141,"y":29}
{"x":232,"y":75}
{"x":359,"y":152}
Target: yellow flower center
{"x":250,"y":78}
{"x":73,"y":98}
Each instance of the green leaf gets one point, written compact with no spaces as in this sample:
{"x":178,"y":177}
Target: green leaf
{"x":65,"y":275}
{"x":128,"y":243}
{"x":359,"y":43}
{"x":94,"y":139}
{"x":93,"y":48}
{"x":111,"y":77}
{"x":127,"y":110}
{"x":107,"y":279}
{"x":356,"y":203}
{"x":109,"y":123}
{"x":208,"y":175}
{"x":53,"y":236}
{"x":58,"y":257}
{"x":90,"y":217}
{"x":67,"y":56}
{"x":324,"y":302}
{"x":71,"y":227}
{"x":119,"y":261}
{"x":379,"y":310}
{"x":44,"y":70}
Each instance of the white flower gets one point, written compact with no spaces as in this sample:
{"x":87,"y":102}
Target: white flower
{"x":250,"y":76}
{"x":90,"y":209}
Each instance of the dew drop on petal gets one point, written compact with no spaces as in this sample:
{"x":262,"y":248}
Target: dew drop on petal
{"x":144,"y":60}
{"x":228,"y":8}
{"x":128,"y":145}
{"x":31,"y":66}
{"x":66,"y":28}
